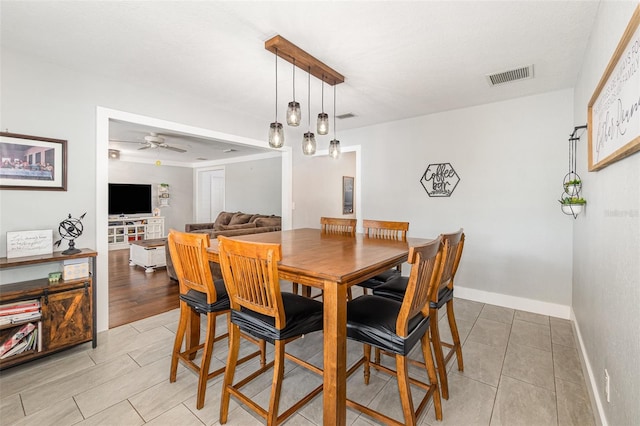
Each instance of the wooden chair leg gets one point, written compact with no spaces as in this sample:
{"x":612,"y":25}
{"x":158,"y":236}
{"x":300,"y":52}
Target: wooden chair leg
{"x":433,"y":378}
{"x":232,"y":359}
{"x":454,"y":334}
{"x":206,"y":360}
{"x":402,"y":368}
{"x":177,"y":344}
{"x":437,"y":350}
{"x":276,"y":386}
{"x":367,"y":360}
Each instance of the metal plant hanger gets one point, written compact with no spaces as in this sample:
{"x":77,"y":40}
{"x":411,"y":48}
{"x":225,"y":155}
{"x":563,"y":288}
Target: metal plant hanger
{"x":571,"y":200}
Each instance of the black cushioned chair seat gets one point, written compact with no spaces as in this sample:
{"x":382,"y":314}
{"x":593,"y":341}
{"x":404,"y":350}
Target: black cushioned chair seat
{"x":380,"y":278}
{"x":198,"y":300}
{"x":396,"y":287}
{"x":372,"y":319}
{"x":303,"y":316}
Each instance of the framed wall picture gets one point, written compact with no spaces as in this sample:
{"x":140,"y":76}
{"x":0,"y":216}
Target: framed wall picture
{"x":614,"y":108}
{"x":32,"y":163}
{"x":347,"y":195}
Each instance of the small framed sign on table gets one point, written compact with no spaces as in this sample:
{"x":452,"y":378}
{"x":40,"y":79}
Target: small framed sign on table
{"x":29,"y":243}
{"x":614,"y":108}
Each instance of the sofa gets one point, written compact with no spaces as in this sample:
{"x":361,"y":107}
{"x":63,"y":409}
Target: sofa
{"x":229,"y":224}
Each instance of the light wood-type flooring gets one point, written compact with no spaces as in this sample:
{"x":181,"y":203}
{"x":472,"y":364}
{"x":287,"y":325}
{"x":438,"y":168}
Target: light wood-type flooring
{"x":135,"y":294}
{"x":520,"y":368}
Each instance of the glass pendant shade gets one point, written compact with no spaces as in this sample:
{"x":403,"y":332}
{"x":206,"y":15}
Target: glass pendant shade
{"x":293,"y":114}
{"x":309,"y":144}
{"x":334,"y":148}
{"x":276,"y":135}
{"x":323,"y":123}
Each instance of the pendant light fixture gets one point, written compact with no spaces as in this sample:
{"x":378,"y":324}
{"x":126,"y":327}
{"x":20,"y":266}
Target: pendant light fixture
{"x":309,"y":141}
{"x":293,"y":110}
{"x":276,"y":134}
{"x":323,"y":118}
{"x":334,"y":144}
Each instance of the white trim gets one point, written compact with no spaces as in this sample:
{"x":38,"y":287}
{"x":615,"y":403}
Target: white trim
{"x":514,"y":302}
{"x":201,"y":164}
{"x":358,"y":181}
{"x":594,"y":396}
{"x":103,"y":115}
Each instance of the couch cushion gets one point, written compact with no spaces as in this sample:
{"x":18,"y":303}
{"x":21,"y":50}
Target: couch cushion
{"x":238,"y":226}
{"x":256,"y":216}
{"x":240,"y":218}
{"x":268,"y":221}
{"x":223,"y":219}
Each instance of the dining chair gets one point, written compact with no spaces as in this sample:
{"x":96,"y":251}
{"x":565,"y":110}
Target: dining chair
{"x":199,"y":294}
{"x":331,"y":226}
{"x":395,"y":289}
{"x":258,"y":307}
{"x":387,"y":230}
{"x":396,"y":327}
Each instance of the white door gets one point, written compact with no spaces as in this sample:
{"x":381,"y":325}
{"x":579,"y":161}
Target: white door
{"x":210,"y":201}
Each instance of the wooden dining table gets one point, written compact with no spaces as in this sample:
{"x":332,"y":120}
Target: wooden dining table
{"x":332,"y":263}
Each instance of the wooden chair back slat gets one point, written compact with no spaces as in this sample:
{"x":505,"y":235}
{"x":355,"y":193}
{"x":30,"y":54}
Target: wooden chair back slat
{"x":427,"y":262}
{"x":386,"y":229}
{"x":454,"y":253}
{"x":189,"y":255}
{"x":250,"y":272}
{"x":333,"y":225}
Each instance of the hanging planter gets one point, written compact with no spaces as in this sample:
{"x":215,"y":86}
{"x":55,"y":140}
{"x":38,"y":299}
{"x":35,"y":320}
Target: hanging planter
{"x":573,"y":187}
{"x":572,"y":205}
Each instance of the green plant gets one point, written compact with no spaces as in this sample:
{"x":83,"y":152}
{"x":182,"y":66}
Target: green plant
{"x":573,"y":200}
{"x":573,"y":182}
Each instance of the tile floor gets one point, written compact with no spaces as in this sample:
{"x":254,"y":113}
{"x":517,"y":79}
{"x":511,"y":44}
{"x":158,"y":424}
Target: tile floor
{"x":520,"y":369}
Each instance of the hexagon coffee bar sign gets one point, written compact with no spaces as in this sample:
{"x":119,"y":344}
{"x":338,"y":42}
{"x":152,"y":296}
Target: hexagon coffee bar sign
{"x":439,"y":180}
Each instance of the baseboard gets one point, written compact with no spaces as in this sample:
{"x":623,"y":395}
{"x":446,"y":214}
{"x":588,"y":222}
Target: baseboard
{"x":514,"y":302}
{"x":594,"y":396}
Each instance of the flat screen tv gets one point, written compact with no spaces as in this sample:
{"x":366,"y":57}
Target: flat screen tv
{"x":129,"y":198}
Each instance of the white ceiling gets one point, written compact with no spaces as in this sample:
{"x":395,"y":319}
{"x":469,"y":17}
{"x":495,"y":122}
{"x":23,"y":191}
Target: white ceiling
{"x":401,"y":59}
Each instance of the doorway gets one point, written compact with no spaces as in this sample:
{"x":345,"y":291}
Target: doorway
{"x":210,"y":186}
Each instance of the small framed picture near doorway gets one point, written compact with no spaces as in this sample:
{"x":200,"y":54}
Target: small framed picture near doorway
{"x":32,"y":163}
{"x":347,"y":194}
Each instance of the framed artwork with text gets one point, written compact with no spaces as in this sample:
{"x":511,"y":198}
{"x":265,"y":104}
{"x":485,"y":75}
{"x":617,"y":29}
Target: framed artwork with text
{"x":614,"y":108}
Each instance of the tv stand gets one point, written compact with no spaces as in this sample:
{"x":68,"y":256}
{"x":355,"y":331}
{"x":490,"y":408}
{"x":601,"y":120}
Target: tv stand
{"x":124,"y":230}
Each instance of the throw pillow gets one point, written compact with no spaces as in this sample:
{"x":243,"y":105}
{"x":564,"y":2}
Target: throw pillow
{"x":222,"y":219}
{"x":238,"y":226}
{"x":240,"y":218}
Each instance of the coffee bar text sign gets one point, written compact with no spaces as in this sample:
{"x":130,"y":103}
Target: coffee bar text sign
{"x":439,"y":180}
{"x":614,"y":108}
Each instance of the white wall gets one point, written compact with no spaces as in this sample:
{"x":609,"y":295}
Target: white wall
{"x":43,"y":99}
{"x":511,"y":157}
{"x":317,"y":188}
{"x":606,"y":281}
{"x":180,"y":180}
{"x":254,"y":186}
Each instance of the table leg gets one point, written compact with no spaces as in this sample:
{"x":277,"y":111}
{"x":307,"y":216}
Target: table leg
{"x":335,"y":354}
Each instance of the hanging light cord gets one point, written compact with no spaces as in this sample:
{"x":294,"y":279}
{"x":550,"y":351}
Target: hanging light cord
{"x":276,"y":84}
{"x":309,"y":100}
{"x":294,"y":79}
{"x":322,"y":84}
{"x":334,"y":112}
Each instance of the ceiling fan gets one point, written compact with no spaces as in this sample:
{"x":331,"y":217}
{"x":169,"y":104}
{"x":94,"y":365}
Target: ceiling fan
{"x":152,"y":141}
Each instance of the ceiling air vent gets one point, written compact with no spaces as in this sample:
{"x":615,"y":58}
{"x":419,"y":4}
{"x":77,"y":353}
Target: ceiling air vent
{"x":228,"y":150}
{"x":347,"y":115}
{"x":516,"y":74}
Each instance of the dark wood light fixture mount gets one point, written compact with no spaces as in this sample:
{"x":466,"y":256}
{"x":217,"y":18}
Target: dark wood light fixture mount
{"x":289,"y":51}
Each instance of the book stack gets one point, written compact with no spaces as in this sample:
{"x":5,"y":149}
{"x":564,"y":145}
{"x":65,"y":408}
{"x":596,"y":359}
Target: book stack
{"x":18,"y":312}
{"x":19,"y":327}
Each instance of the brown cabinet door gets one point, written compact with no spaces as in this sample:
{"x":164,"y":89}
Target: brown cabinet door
{"x":66,"y":318}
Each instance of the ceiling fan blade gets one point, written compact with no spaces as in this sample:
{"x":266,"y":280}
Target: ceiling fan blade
{"x":145,"y":147}
{"x":173,"y":148}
